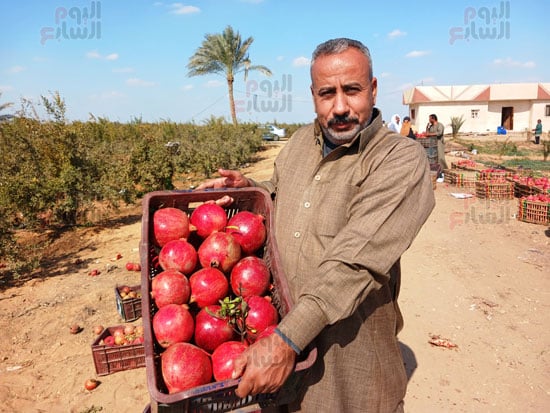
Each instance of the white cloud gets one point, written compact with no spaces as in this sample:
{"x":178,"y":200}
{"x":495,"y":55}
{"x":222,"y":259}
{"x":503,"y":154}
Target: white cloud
{"x":252,"y":1}
{"x":280,"y":58}
{"x":300,"y":61}
{"x":134,"y":81}
{"x":94,"y":54}
{"x":509,"y":62}
{"x":383,"y":75}
{"x":186,"y":88}
{"x":396,"y":33}
{"x":180,"y":8}
{"x":6,"y":88}
{"x":16,"y":69}
{"x":418,"y":53}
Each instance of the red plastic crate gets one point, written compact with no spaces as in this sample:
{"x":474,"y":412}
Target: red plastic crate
{"x":128,"y":308}
{"x":110,"y":359}
{"x":216,"y":396}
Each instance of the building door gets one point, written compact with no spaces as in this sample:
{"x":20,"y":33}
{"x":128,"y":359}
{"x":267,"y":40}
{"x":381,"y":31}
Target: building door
{"x":507,"y":118}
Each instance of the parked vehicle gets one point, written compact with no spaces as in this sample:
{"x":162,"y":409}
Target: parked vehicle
{"x":273,"y":133}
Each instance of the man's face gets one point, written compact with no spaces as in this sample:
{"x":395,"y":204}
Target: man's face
{"x":343,"y":94}
{"x":432,"y":120}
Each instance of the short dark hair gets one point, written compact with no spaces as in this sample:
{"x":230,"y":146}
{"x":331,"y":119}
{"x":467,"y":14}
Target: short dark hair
{"x":433,"y":115}
{"x":339,"y":45}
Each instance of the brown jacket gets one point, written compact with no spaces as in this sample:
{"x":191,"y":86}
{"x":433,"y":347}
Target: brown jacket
{"x":342,"y":224}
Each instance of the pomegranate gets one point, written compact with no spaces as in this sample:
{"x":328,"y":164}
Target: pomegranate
{"x":208,"y":286}
{"x":169,"y":224}
{"x":109,"y":341}
{"x":208,"y":218}
{"x":268,"y":331}
{"x":223,"y":359}
{"x":261,"y":314}
{"x":250,"y":276}
{"x":219,"y":250}
{"x":248,"y":229}
{"x":185,"y":366}
{"x":170,"y":287}
{"x":173,"y":323}
{"x":212,"y":329}
{"x":178,"y":255}
{"x":91,"y":384}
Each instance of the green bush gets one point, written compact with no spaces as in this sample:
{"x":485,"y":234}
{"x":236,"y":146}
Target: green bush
{"x":55,"y":173}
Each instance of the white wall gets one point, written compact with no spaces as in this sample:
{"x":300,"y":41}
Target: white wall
{"x":526,"y":114}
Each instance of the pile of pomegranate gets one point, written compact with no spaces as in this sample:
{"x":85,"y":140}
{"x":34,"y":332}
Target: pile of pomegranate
{"x":211,"y":294}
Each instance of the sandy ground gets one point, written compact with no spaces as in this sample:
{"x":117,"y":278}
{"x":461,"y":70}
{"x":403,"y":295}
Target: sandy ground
{"x":475,"y":276}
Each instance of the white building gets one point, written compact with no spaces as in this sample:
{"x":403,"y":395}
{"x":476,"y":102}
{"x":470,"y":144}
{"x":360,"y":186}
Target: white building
{"x":513,"y":106}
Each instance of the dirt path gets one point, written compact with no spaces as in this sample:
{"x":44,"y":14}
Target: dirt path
{"x":475,"y":276}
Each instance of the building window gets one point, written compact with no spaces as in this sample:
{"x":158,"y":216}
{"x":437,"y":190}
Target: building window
{"x":413,"y":113}
{"x":547,"y":110}
{"x":475,"y":113}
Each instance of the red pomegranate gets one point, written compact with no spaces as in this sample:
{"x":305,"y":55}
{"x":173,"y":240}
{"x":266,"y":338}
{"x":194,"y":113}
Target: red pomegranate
{"x":211,"y":329}
{"x":169,"y":224}
{"x":178,"y":255}
{"x":248,"y":229}
{"x":261,"y":314}
{"x":173,"y":323}
{"x":219,"y":250}
{"x":250,"y":276}
{"x":208,"y":286}
{"x":208,"y":218}
{"x":267,"y":332}
{"x":223,"y":359}
{"x":185,"y":366}
{"x":170,"y":287}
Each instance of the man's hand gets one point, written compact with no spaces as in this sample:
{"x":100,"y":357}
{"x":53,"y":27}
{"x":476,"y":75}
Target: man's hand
{"x":264,"y":366}
{"x":228,"y":179}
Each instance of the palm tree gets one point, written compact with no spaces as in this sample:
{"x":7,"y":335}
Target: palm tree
{"x":226,"y":54}
{"x":5,"y":105}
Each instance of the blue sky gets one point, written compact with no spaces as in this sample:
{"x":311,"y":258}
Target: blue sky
{"x":134,"y":64}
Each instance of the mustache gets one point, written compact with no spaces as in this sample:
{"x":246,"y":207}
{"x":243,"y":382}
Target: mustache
{"x":344,"y":119}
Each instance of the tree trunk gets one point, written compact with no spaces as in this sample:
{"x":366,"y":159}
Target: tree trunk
{"x":231,"y":100}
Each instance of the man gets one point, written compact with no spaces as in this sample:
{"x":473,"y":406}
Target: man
{"x":350,"y":197}
{"x":538,"y":131}
{"x":437,"y":129}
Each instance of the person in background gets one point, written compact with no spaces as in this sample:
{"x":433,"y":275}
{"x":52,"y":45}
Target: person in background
{"x":406,"y":128}
{"x":349,"y":198}
{"x":435,"y":128}
{"x":538,"y":131}
{"x":395,"y":123}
